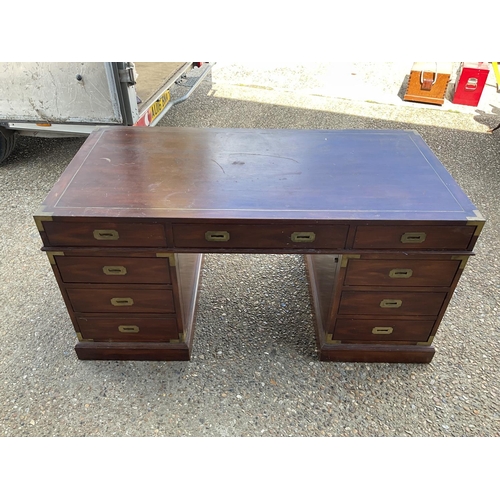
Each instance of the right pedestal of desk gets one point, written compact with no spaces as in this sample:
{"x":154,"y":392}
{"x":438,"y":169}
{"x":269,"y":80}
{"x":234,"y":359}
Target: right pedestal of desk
{"x":383,"y":300}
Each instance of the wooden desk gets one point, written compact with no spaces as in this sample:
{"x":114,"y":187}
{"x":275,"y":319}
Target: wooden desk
{"x":385,"y":229}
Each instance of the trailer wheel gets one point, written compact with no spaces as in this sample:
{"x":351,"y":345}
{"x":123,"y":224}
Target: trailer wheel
{"x":7,"y":142}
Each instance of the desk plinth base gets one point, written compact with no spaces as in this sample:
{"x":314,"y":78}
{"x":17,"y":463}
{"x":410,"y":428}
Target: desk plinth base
{"x":363,"y":353}
{"x":128,"y":351}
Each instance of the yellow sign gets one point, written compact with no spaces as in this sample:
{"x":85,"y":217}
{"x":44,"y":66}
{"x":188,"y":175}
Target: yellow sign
{"x":159,"y":105}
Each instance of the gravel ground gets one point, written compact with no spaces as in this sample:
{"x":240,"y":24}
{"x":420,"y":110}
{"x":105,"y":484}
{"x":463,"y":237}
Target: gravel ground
{"x":254,"y":370}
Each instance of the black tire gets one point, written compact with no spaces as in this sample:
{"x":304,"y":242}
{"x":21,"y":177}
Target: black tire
{"x":7,"y":142}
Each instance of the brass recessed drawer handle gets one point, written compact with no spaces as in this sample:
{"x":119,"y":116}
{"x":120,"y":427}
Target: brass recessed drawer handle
{"x":128,"y":329}
{"x":114,"y":270}
{"x":217,"y":236}
{"x":382,"y":330}
{"x":106,"y":234}
{"x":391,"y":303}
{"x":400,"y":273}
{"x":303,"y":237}
{"x":122,"y":301}
{"x":413,"y":238}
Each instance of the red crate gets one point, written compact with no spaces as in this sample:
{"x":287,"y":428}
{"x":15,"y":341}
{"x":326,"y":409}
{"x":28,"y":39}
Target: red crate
{"x":470,"y":83}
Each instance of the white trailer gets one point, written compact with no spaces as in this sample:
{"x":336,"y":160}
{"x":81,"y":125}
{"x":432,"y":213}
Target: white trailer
{"x":49,"y":99}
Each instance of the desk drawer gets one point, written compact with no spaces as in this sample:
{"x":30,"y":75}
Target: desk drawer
{"x":104,"y":234}
{"x":128,"y":329}
{"x":113,"y":269}
{"x":401,"y":272}
{"x":121,"y":300}
{"x":382,"y":330}
{"x":391,"y":303}
{"x":259,"y":236}
{"x":414,"y":237}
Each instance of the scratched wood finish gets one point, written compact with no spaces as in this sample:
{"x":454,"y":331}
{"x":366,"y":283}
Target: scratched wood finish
{"x":373,"y":353}
{"x":400,"y":330}
{"x":438,"y":237}
{"x":126,"y":328}
{"x":412,"y":303}
{"x":132,"y":351}
{"x":127,"y":235}
{"x":186,"y":173}
{"x":141,"y":300}
{"x":94,"y":269}
{"x":262,"y":235}
{"x":392,"y":272}
{"x":361,"y":203}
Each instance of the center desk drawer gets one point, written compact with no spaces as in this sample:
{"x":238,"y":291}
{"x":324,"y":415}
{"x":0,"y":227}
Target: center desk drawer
{"x":105,"y":234}
{"x":259,"y":236}
{"x":113,"y":269}
{"x":414,"y":237}
{"x":121,"y":300}
{"x":391,"y":303}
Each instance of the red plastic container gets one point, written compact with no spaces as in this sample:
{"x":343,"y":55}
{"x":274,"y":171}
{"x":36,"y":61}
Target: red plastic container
{"x":470,"y":83}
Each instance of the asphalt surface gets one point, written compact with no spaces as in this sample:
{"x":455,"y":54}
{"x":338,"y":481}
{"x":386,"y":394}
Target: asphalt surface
{"x":254,"y":370}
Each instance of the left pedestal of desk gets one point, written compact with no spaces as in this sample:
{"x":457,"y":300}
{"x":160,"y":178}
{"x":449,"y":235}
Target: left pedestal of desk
{"x":128,"y":297}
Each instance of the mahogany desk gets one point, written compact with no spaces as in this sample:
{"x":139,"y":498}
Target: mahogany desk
{"x":385,"y":230}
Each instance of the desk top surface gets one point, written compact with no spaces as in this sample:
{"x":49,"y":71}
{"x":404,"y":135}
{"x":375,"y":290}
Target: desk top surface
{"x":199,"y":173}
